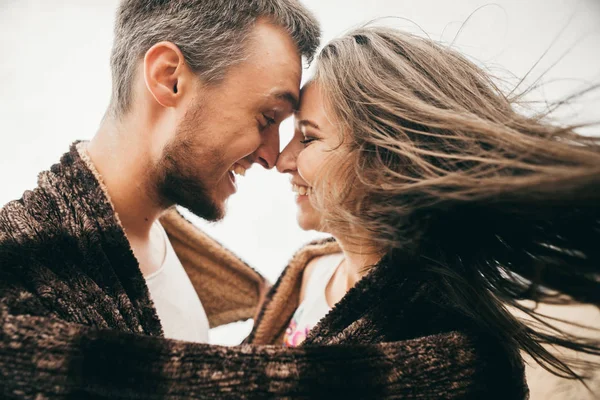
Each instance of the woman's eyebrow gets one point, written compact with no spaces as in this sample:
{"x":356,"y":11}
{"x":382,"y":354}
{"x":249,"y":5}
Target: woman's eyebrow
{"x":306,"y":122}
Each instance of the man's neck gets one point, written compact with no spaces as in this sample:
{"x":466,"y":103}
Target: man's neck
{"x":123,"y":163}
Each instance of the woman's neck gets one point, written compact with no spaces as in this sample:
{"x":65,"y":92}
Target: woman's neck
{"x":358,"y":258}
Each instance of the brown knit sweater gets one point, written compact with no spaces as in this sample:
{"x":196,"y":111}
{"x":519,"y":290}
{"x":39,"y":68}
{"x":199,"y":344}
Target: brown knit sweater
{"x":77,"y":321}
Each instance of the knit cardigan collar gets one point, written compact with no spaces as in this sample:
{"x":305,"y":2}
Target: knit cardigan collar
{"x":380,"y":307}
{"x":70,"y":222}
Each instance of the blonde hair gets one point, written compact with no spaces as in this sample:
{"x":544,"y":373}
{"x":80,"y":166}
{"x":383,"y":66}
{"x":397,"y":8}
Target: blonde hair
{"x":440,"y":165}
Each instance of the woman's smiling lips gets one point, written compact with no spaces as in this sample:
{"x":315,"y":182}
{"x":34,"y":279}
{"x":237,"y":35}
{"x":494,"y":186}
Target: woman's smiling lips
{"x":303,"y":191}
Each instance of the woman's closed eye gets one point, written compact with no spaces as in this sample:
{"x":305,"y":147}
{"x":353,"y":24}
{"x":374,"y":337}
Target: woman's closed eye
{"x":308,"y":139}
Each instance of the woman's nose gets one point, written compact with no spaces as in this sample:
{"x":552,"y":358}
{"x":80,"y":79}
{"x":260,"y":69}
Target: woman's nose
{"x":286,"y":162}
{"x":287,"y":159}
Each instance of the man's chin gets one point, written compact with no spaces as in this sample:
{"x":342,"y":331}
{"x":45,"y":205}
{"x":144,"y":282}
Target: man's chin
{"x":205,"y":208}
{"x":212,"y":213}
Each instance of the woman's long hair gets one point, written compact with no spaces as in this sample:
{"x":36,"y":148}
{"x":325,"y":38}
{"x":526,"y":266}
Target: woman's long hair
{"x":503,"y":206}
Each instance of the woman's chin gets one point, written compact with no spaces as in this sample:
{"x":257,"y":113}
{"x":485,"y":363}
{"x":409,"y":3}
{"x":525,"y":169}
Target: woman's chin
{"x":308,"y":221}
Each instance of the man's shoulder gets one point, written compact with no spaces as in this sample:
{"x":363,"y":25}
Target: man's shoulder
{"x":43,"y":230}
{"x":66,"y":198}
{"x":32,"y":217}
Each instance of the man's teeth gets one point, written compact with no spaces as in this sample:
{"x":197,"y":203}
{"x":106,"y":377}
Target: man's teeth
{"x":301,"y":190}
{"x":239,"y":170}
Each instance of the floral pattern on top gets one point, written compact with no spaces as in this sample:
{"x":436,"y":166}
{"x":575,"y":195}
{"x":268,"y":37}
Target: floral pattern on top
{"x":295,"y":335}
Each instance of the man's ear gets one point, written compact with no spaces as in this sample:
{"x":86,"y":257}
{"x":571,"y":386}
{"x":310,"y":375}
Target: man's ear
{"x":164,"y":73}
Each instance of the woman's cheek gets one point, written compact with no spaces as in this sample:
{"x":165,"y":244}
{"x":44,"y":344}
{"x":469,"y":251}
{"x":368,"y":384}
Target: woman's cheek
{"x":305,"y":167}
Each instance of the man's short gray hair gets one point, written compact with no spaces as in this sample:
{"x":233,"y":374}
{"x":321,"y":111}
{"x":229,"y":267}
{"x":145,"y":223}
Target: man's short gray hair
{"x":210,"y":33}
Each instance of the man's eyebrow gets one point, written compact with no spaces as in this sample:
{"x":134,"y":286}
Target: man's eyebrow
{"x":289,"y":97}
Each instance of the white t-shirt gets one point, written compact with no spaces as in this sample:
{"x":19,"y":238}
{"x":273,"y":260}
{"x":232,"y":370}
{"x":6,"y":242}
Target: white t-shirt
{"x":177,"y":304}
{"x":314,"y":306}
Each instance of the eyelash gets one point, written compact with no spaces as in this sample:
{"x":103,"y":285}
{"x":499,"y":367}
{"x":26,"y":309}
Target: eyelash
{"x":307,"y":141}
{"x":270,"y":121}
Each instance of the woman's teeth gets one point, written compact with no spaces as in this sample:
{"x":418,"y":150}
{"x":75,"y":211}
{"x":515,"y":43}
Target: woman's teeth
{"x":301,"y":190}
{"x":239,"y":170}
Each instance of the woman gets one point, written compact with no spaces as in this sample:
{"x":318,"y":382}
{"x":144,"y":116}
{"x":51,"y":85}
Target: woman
{"x":446,"y":205}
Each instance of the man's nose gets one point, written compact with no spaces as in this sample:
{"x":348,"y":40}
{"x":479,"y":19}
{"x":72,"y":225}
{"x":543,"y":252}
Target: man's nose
{"x":267,"y":153}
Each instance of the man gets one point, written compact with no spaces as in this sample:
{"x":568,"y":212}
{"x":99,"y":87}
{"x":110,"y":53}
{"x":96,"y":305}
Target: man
{"x":198,"y":94}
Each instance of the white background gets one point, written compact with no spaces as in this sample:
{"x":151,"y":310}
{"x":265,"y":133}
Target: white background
{"x":55,"y":85}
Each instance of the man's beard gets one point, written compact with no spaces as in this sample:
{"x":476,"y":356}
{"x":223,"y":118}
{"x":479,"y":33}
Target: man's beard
{"x":175,"y":177}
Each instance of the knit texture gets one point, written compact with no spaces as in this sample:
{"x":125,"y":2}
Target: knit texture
{"x":416,"y":346}
{"x":76,"y":320}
